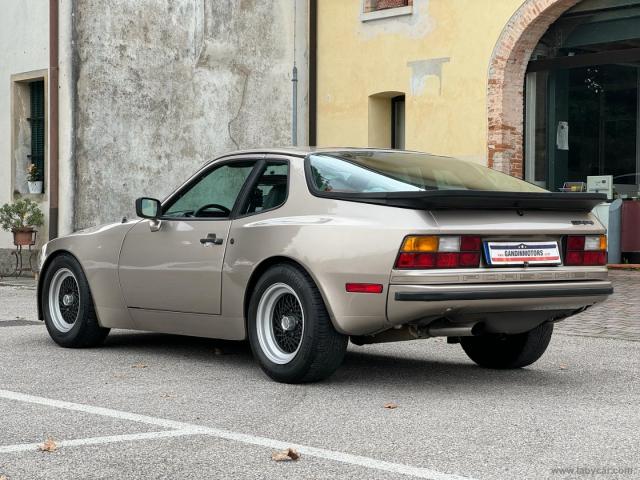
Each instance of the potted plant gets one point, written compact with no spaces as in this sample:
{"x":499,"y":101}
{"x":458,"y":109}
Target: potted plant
{"x":20,"y":218}
{"x":34,"y":178}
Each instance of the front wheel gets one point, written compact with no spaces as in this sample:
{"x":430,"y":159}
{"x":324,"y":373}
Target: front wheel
{"x":68,"y":309}
{"x":508,"y":351}
{"x":290,"y":332}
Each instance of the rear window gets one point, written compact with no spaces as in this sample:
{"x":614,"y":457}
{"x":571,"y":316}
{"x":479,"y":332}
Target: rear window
{"x":378,"y":172}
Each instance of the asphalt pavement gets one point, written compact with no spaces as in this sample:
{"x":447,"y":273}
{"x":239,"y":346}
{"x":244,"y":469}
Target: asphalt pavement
{"x":159,"y":406}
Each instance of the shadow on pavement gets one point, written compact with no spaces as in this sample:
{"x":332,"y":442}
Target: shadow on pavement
{"x":371,"y":368}
{"x":152,"y":341}
{"x":360,"y":368}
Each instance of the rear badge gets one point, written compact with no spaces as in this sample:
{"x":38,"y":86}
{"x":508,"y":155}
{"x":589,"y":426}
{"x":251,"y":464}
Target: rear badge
{"x":582,"y":222}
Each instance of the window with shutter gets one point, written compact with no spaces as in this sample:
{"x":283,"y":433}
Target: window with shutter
{"x":37,"y":125}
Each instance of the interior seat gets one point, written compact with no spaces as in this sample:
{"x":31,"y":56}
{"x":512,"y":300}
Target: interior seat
{"x":275,"y":197}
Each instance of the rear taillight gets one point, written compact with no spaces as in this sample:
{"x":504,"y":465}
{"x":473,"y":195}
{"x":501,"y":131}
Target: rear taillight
{"x":429,"y":251}
{"x":586,"y":250}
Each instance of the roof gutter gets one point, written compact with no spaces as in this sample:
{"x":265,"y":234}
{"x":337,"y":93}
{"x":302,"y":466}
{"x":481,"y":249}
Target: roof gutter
{"x":53,"y":119}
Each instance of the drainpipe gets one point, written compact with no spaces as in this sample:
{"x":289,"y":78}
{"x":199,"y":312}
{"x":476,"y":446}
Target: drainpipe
{"x":294,"y":81}
{"x":313,"y":71}
{"x":294,"y":120}
{"x":53,"y":119}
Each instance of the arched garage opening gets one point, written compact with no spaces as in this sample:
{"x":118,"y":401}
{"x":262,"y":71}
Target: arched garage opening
{"x":564,"y":101}
{"x":505,"y":93}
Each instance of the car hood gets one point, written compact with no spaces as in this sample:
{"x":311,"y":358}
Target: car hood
{"x":103,"y":228}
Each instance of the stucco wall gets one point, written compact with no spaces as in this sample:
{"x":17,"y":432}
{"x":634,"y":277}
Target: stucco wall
{"x":163,"y":86}
{"x":439,"y":57}
{"x":24,"y":30}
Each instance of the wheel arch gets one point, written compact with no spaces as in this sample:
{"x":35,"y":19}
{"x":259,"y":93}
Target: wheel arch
{"x":265,"y":265}
{"x":43,"y":271}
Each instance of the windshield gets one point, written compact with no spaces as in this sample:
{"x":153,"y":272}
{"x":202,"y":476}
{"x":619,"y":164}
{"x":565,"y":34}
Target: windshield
{"x":377,"y":171}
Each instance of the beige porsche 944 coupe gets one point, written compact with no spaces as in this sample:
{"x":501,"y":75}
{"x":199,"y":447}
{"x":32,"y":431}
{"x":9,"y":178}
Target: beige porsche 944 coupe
{"x":301,"y":251}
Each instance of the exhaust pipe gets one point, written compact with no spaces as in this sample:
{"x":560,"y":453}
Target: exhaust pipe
{"x":449,"y":330}
{"x":412,"y":332}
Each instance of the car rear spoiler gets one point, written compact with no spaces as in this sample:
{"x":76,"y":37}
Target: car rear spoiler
{"x":477,"y":200}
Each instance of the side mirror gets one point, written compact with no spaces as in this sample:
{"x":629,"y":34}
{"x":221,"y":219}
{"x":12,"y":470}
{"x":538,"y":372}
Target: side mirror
{"x":148,"y":208}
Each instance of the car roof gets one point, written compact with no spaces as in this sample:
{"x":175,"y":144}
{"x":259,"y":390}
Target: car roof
{"x":304,"y":151}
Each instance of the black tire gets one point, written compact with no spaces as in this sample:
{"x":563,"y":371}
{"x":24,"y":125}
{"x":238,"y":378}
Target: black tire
{"x":508,"y":351}
{"x":321,"y":348}
{"x":84,"y":331}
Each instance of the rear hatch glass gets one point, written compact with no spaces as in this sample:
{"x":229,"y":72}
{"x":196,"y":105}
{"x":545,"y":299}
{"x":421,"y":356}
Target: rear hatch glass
{"x":380,"y":171}
{"x":422,"y":181}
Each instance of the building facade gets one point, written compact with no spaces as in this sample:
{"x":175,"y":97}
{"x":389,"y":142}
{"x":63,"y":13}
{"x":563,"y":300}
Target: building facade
{"x":546,"y":90}
{"x":24,"y":106}
{"x":144,"y":93}
{"x":163,"y":86}
{"x":115,"y":100}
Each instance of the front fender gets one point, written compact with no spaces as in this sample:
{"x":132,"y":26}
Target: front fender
{"x":97,"y":250}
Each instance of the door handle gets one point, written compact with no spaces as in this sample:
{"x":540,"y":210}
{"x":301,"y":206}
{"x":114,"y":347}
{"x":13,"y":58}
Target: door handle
{"x":211,"y":239}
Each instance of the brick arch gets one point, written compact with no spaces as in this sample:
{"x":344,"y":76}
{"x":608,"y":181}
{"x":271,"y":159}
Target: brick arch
{"x":505,"y":91}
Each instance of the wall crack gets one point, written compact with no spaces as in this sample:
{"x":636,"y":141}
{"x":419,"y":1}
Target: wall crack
{"x":246,"y":74}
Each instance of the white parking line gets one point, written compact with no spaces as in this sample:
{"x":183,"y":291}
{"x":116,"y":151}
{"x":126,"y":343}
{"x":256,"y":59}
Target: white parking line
{"x":105,"y":412}
{"x":181,"y":429}
{"x":26,"y":447}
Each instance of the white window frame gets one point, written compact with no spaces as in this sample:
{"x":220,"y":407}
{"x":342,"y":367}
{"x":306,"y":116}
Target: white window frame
{"x":382,"y":14}
{"x":17,"y":81}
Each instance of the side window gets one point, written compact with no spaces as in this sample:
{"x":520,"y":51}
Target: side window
{"x":213,"y":194}
{"x":271,"y":189}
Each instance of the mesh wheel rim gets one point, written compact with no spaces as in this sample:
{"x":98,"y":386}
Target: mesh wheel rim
{"x":64,"y":300}
{"x":280,"y":345}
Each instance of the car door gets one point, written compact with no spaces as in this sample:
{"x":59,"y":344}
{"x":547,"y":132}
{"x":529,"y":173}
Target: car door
{"x":175,"y":263}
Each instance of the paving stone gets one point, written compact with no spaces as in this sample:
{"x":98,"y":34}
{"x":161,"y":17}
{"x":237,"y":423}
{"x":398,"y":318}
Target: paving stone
{"x":618,"y":317}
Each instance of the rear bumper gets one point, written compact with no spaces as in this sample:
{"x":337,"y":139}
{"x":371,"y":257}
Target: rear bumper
{"x":501,"y":294}
{"x":407,"y":303}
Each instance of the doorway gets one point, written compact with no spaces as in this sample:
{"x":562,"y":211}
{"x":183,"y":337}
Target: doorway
{"x":397,"y":122}
{"x":387,"y":120}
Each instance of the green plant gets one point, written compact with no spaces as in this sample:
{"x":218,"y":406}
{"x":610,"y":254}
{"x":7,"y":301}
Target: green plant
{"x":21,"y":214}
{"x":33,"y":174}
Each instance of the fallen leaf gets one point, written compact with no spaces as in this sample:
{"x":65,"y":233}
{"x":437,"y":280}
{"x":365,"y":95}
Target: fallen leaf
{"x":563,"y":367}
{"x":3,"y":477}
{"x":390,"y":405}
{"x":285,"y":455}
{"x":167,"y":395}
{"x":139,"y":365}
{"x":49,"y":445}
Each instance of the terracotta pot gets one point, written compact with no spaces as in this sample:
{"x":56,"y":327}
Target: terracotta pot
{"x":24,"y":236}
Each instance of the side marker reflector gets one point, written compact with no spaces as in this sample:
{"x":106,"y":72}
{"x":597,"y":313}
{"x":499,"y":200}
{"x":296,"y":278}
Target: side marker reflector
{"x":364,"y":288}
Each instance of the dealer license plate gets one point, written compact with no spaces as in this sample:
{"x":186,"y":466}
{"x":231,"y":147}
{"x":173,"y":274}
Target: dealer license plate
{"x":520,"y":253}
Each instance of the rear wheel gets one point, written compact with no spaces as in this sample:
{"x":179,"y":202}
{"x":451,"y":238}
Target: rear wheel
{"x":68,"y":307}
{"x":290,"y":331}
{"x":508,"y":351}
